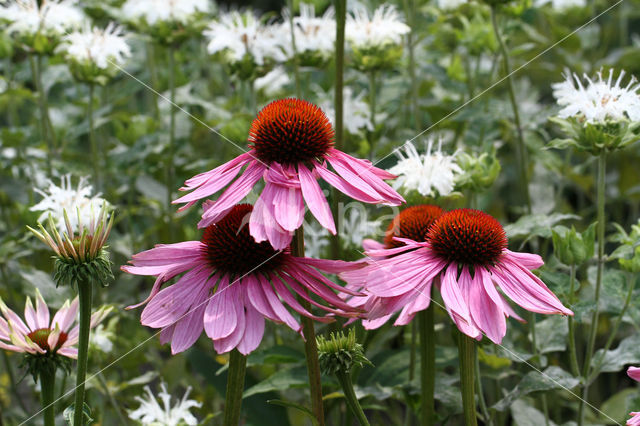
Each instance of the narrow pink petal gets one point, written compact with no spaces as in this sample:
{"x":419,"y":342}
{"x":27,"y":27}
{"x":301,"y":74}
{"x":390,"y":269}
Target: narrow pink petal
{"x":290,"y":300}
{"x":451,"y":293}
{"x":233,"y":194}
{"x":220,"y":317}
{"x":258,"y":299}
{"x":11,"y":348}
{"x":52,"y":340}
{"x":420,"y":302}
{"x":4,"y":329}
{"x":167,"y":254}
{"x":303,"y":270}
{"x":166,"y":334}
{"x":289,"y":207}
{"x":344,"y":187}
{"x":66,"y":315}
{"x":68,"y":352}
{"x":329,"y":266}
{"x":42,"y":311}
{"x":211,"y":186}
{"x":369,"y":244}
{"x":213,"y":174}
{"x":634,"y":373}
{"x":188,"y":329}
{"x":375,"y":323}
{"x":228,"y":343}
{"x":276,"y":305}
{"x":319,"y":289}
{"x":14,"y":320}
{"x":528,"y":260}
{"x":353,"y":179}
{"x":315,"y":199}
{"x":30,"y":315}
{"x":253,"y":332}
{"x":485,"y":312}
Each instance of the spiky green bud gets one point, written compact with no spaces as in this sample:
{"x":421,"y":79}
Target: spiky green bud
{"x":340,"y":353}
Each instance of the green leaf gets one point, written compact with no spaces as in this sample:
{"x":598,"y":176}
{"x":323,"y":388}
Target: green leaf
{"x":289,"y":378}
{"x":617,"y":407}
{"x":526,"y":415}
{"x":551,"y":378}
{"x":536,"y":225}
{"x":296,"y":406}
{"x":271,"y":355}
{"x":627,"y":352}
{"x":551,"y":334}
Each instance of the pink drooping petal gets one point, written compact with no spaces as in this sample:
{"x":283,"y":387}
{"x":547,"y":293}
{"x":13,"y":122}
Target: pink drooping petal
{"x":323,"y":293}
{"x":528,"y":260}
{"x":369,"y":244}
{"x":395,"y":276}
{"x":188,"y":328}
{"x":485,"y":312}
{"x":353,"y":179}
{"x":167,"y":333}
{"x":328,"y":265}
{"x":4,"y":329}
{"x":66,"y":315}
{"x":452,"y":294}
{"x":68,"y":352}
{"x":42,"y":312}
{"x":213,"y":183}
{"x":264,"y":288}
{"x":634,"y":373}
{"x":305,"y":271}
{"x":231,"y":341}
{"x":253,"y":332}
{"x":315,"y":199}
{"x":174,"y":301}
{"x":289,"y":299}
{"x":420,"y":302}
{"x":344,"y":187}
{"x":375,"y":323}
{"x":30,"y":315}
{"x":263,"y":225}
{"x":220,"y":317}
{"x":232,"y":195}
{"x":288,"y":206}
{"x":167,"y":254}
{"x":14,"y":320}
{"x":11,"y":348}
{"x":317,"y":288}
{"x":52,"y":340}
{"x":214,"y":174}
{"x":387,"y":252}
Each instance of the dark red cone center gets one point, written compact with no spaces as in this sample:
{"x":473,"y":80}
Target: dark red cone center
{"x":412,"y":223}
{"x":40,"y":336}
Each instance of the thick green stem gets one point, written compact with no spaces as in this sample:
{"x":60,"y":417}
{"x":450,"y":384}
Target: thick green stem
{"x":85,"y":289}
{"x":372,"y":111}
{"x":44,"y":113}
{"x":235,"y":387}
{"x":412,"y":366}
{"x":47,"y":386}
{"x":573,"y":357}
{"x":294,"y":58}
{"x":600,"y":227}
{"x":349,"y":394}
{"x":172,"y":136}
{"x":409,"y":6}
{"x":521,"y":148}
{"x":466,"y":356}
{"x":427,"y":365}
{"x":341,"y":17}
{"x":310,"y":345}
{"x":95,"y":155}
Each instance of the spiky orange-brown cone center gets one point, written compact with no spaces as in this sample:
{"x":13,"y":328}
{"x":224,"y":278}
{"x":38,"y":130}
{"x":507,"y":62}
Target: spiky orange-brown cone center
{"x":467,"y":236}
{"x":290,"y":131}
{"x":40,"y":337}
{"x":412,"y":223}
{"x":230,"y":248}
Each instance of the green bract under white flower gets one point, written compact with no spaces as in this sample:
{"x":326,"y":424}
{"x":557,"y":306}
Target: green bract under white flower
{"x":430,"y":174}
{"x":102,"y":48}
{"x":241,"y":35}
{"x":80,"y":205}
{"x":384,"y":27}
{"x":52,"y":17}
{"x":598,"y":101}
{"x":151,"y":412}
{"x":157,"y":11}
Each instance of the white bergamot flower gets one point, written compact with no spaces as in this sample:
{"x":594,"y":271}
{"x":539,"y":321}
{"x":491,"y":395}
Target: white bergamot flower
{"x":313,"y":34}
{"x":156,"y":11}
{"x":598,"y":101}
{"x":151,"y":412}
{"x":52,"y":17}
{"x":561,"y":5}
{"x":430,"y":174}
{"x":384,"y":27}
{"x":96,"y":46}
{"x":80,"y":205}
{"x":356,"y":110}
{"x":450,"y":4}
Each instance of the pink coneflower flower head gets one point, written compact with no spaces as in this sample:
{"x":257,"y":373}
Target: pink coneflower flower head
{"x":40,"y":335}
{"x":291,"y":145}
{"x":465,"y":254}
{"x":412,"y":223}
{"x":231,"y":284}
{"x":634,"y":373}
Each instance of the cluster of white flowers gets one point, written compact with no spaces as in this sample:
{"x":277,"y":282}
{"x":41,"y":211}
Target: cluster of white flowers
{"x":384,"y":27}
{"x":151,"y":412}
{"x":561,"y":5}
{"x":242,"y":34}
{"x":157,"y":11}
{"x":450,"y":4}
{"x":78,"y":203}
{"x":273,"y":81}
{"x":599,"y":100}
{"x":97,"y":46}
{"x":355,"y":108}
{"x":430,"y":174}
{"x":25,"y":17}
{"x":312,"y":33}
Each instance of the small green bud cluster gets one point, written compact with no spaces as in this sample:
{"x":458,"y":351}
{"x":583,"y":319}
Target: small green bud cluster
{"x":572,"y":247}
{"x":628,"y":253}
{"x":478,"y":171}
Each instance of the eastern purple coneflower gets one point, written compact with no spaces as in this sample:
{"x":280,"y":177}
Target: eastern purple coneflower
{"x":634,"y":373}
{"x":40,"y":335}
{"x":231,"y":284}
{"x":464,"y":253}
{"x":291,"y":142}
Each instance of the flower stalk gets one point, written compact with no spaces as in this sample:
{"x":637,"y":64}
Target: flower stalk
{"x":235,"y":387}
{"x":573,"y":357}
{"x":428,"y":365}
{"x":95,"y":156}
{"x":351,"y":398}
{"x":172,"y":137}
{"x":85,"y":295}
{"x":467,"y":354}
{"x":47,"y":386}
{"x":310,"y":345}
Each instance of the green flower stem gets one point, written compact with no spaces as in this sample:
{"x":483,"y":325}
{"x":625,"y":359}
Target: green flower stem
{"x":600,"y":226}
{"x":341,"y":17}
{"x":153,"y":74}
{"x":235,"y":387}
{"x":84,"y":292}
{"x":95,"y":155}
{"x":296,"y":67}
{"x":172,"y":136}
{"x":412,"y":367}
{"x":409,"y":7}
{"x":521,"y":148}
{"x":483,"y":403}
{"x":352,"y":400}
{"x":47,"y":386}
{"x":573,"y":357}
{"x":372,"y":111}
{"x":614,"y":330}
{"x":44,"y":113}
{"x":310,"y":345}
{"x":427,"y":365}
{"x":467,"y":355}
